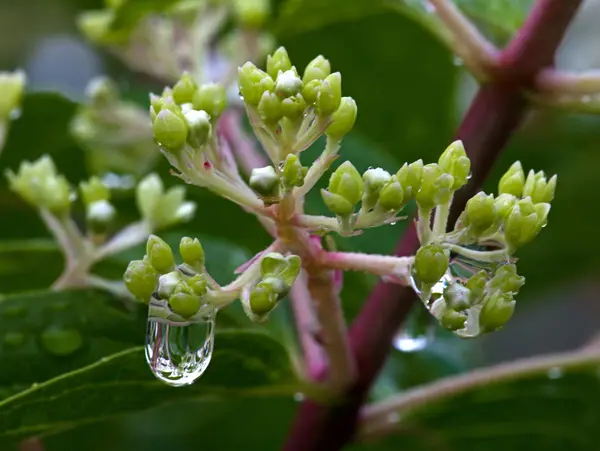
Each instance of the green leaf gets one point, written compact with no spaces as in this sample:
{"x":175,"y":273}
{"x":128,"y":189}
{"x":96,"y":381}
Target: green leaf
{"x":243,"y":363}
{"x":45,"y":334}
{"x":548,"y":403}
{"x":20,"y":259}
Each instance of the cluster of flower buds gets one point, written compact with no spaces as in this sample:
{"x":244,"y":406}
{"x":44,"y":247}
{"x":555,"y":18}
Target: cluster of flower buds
{"x":518,"y":213}
{"x":185,"y":114}
{"x":177,"y":291}
{"x":278,"y":274}
{"x":487,"y":233}
{"x":12,"y":85}
{"x":41,"y":186}
{"x":290,"y":112}
{"x":186,"y":292}
{"x":115,"y":133}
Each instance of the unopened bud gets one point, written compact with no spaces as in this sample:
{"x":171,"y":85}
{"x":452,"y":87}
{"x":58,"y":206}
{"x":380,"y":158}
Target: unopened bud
{"x":262,"y":300}
{"x":141,"y":280}
{"x":184,"y":304}
{"x":497,"y":309}
{"x":278,"y":61}
{"x":453,"y":320}
{"x":288,"y":83}
{"x":212,"y":98}
{"x":329,"y":95}
{"x":375,"y":179}
{"x":253,"y":82}
{"x":293,"y":107}
{"x":342,"y":120}
{"x":480,"y":213}
{"x":391,"y":197}
{"x":102,"y":92}
{"x":311,"y":90}
{"x":198,"y":284}
{"x":431,"y":263}
{"x":293,"y":171}
{"x":160,"y":254}
{"x":252,"y":13}
{"x":436,"y":188}
{"x":454,"y":161}
{"x":345,"y":184}
{"x":192,"y":252}
{"x":184,"y":89}
{"x":170,"y":130}
{"x":318,"y":69}
{"x":513,"y":181}
{"x":410,"y":177}
{"x":538,"y":188}
{"x":94,"y":190}
{"x":264,"y":181}
{"x":199,"y":128}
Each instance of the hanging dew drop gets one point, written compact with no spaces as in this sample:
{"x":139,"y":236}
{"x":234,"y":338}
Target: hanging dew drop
{"x":180,"y":354}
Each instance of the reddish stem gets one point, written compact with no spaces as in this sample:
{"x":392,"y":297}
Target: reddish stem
{"x":492,"y":118}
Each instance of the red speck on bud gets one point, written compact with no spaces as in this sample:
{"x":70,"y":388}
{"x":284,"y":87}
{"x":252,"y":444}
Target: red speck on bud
{"x":207,"y":165}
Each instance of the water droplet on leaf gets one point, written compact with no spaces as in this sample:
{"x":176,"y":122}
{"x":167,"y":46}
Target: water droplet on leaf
{"x":179,"y":354}
{"x":61,"y":342}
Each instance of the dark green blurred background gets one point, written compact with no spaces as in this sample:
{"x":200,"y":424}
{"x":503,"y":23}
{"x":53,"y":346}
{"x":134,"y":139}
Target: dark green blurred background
{"x":411,"y":95}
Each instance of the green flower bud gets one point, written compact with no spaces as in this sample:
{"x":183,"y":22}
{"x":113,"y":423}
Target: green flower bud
{"x":199,"y":128}
{"x":431,"y":263}
{"x":337,"y":204}
{"x":170,"y":130}
{"x":276,"y":285}
{"x":293,"y":171}
{"x":148,"y":192}
{"x":453,"y":320}
{"x":102,"y":91}
{"x":311,"y":90}
{"x":293,"y":107}
{"x":497,"y":309}
{"x":253,"y":82}
{"x":391,"y":197}
{"x":524,"y":222}
{"x":507,"y":280}
{"x":504,"y":204}
{"x":288,"y":83}
{"x":191,"y":251}
{"x":184,"y":89}
{"x":212,"y":98}
{"x":329,"y":96}
{"x":160,"y":254}
{"x":275,"y":265}
{"x":480,"y":213}
{"x":278,"y":61}
{"x":318,"y":69}
{"x":436,"y":188}
{"x":375,"y":180}
{"x":513,"y":181}
{"x":343,"y":119}
{"x":538,"y":188}
{"x":262,"y":300}
{"x":140,"y":279}
{"x":269,"y":108}
{"x":347,"y":182}
{"x":94,"y":190}
{"x":184,"y":304}
{"x":454,"y":161}
{"x":457,"y":297}
{"x":40,"y":185}
{"x":411,"y":177}
{"x":251,"y":13}
{"x":167,"y":283}
{"x":198,"y":284}
{"x":100,"y":212}
{"x":264,"y":181}
{"x":96,"y":25}
{"x":476,"y":286}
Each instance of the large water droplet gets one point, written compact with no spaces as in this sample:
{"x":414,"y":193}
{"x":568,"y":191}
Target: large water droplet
{"x":61,"y":342}
{"x":179,"y":354}
{"x":460,"y":269}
